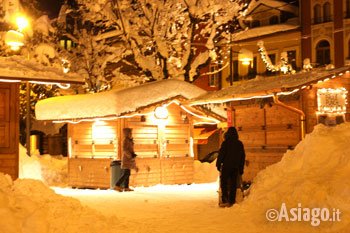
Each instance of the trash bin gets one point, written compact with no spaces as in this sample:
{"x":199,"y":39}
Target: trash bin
{"x":34,"y":143}
{"x":115,"y":172}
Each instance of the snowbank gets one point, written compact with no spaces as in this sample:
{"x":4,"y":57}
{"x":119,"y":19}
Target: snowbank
{"x":28,"y":206}
{"x":205,"y":172}
{"x":52,"y":170}
{"x":315,"y":174}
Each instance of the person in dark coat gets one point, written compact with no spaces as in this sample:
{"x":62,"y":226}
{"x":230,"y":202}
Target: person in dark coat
{"x":128,"y":162}
{"x":230,"y":163}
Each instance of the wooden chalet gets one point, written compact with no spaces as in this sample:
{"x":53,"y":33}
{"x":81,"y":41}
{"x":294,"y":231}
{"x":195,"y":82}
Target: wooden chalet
{"x":13,"y":71}
{"x":272,"y":114}
{"x":162,"y":131}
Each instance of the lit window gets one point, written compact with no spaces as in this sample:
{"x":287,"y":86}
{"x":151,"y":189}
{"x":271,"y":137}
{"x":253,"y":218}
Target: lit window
{"x":69,"y":44}
{"x":62,"y":43}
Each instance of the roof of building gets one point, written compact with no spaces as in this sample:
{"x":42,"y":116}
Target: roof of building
{"x":263,"y":31}
{"x":272,"y":4}
{"x":16,"y":68}
{"x":264,"y":87}
{"x":116,"y":103}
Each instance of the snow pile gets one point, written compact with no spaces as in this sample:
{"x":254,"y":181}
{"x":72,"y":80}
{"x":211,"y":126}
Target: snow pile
{"x":315,"y":174}
{"x":205,"y":172}
{"x":52,"y":170}
{"x":28,"y":206}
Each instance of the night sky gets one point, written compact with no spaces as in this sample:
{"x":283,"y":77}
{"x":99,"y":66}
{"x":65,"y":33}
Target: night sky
{"x":52,"y":7}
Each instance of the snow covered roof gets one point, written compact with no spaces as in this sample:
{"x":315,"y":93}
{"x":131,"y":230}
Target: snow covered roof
{"x":115,"y":102}
{"x":17,"y":68}
{"x":280,"y":5}
{"x":262,"y":31}
{"x":264,"y":87}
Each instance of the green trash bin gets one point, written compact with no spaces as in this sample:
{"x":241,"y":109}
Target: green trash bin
{"x":115,"y":172}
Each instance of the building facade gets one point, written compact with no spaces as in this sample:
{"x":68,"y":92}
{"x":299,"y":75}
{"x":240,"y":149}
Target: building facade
{"x":316,"y":32}
{"x":308,"y":42}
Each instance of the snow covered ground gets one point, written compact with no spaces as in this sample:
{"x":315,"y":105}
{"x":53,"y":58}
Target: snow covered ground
{"x":314,"y":175}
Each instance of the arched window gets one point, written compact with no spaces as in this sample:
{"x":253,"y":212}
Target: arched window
{"x":255,"y":23}
{"x":323,"y":53}
{"x":326,"y":12}
{"x":317,"y":14}
{"x":347,"y":15}
{"x":273,"y":20}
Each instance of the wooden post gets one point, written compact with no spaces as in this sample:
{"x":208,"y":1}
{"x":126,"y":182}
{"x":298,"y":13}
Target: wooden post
{"x":28,"y":118}
{"x":265,"y":127}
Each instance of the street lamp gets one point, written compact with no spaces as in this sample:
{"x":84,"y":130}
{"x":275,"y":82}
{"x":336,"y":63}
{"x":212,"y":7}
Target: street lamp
{"x":161,"y":112}
{"x":15,"y":38}
{"x":21,"y":22}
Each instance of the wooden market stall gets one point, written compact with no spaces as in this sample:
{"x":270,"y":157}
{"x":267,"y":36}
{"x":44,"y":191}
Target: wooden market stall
{"x":13,"y":71}
{"x":162,"y":132}
{"x":9,"y":129}
{"x":272,"y":114}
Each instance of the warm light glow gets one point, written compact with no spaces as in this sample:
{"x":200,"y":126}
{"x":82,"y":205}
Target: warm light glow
{"x":10,"y":80}
{"x":60,"y":85}
{"x":70,"y":147}
{"x":284,"y":69}
{"x":102,"y":132}
{"x":191,"y":147}
{"x":14,"y":39}
{"x":161,"y":112}
{"x":22,"y":22}
{"x":331,"y":101}
{"x":63,"y":86}
{"x":245,"y":56}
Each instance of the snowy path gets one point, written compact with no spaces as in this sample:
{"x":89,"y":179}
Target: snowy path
{"x":188,"y":208}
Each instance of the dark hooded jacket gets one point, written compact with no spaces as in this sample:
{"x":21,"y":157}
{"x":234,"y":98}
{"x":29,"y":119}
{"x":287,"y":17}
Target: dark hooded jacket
{"x":231,"y":155}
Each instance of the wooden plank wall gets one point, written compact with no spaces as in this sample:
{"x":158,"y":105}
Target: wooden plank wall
{"x":178,"y":132}
{"x":266,"y":133}
{"x":9,"y":129}
{"x":145,"y":135}
{"x":96,"y":173}
{"x":93,"y":145}
{"x":89,"y":173}
{"x":94,"y":140}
